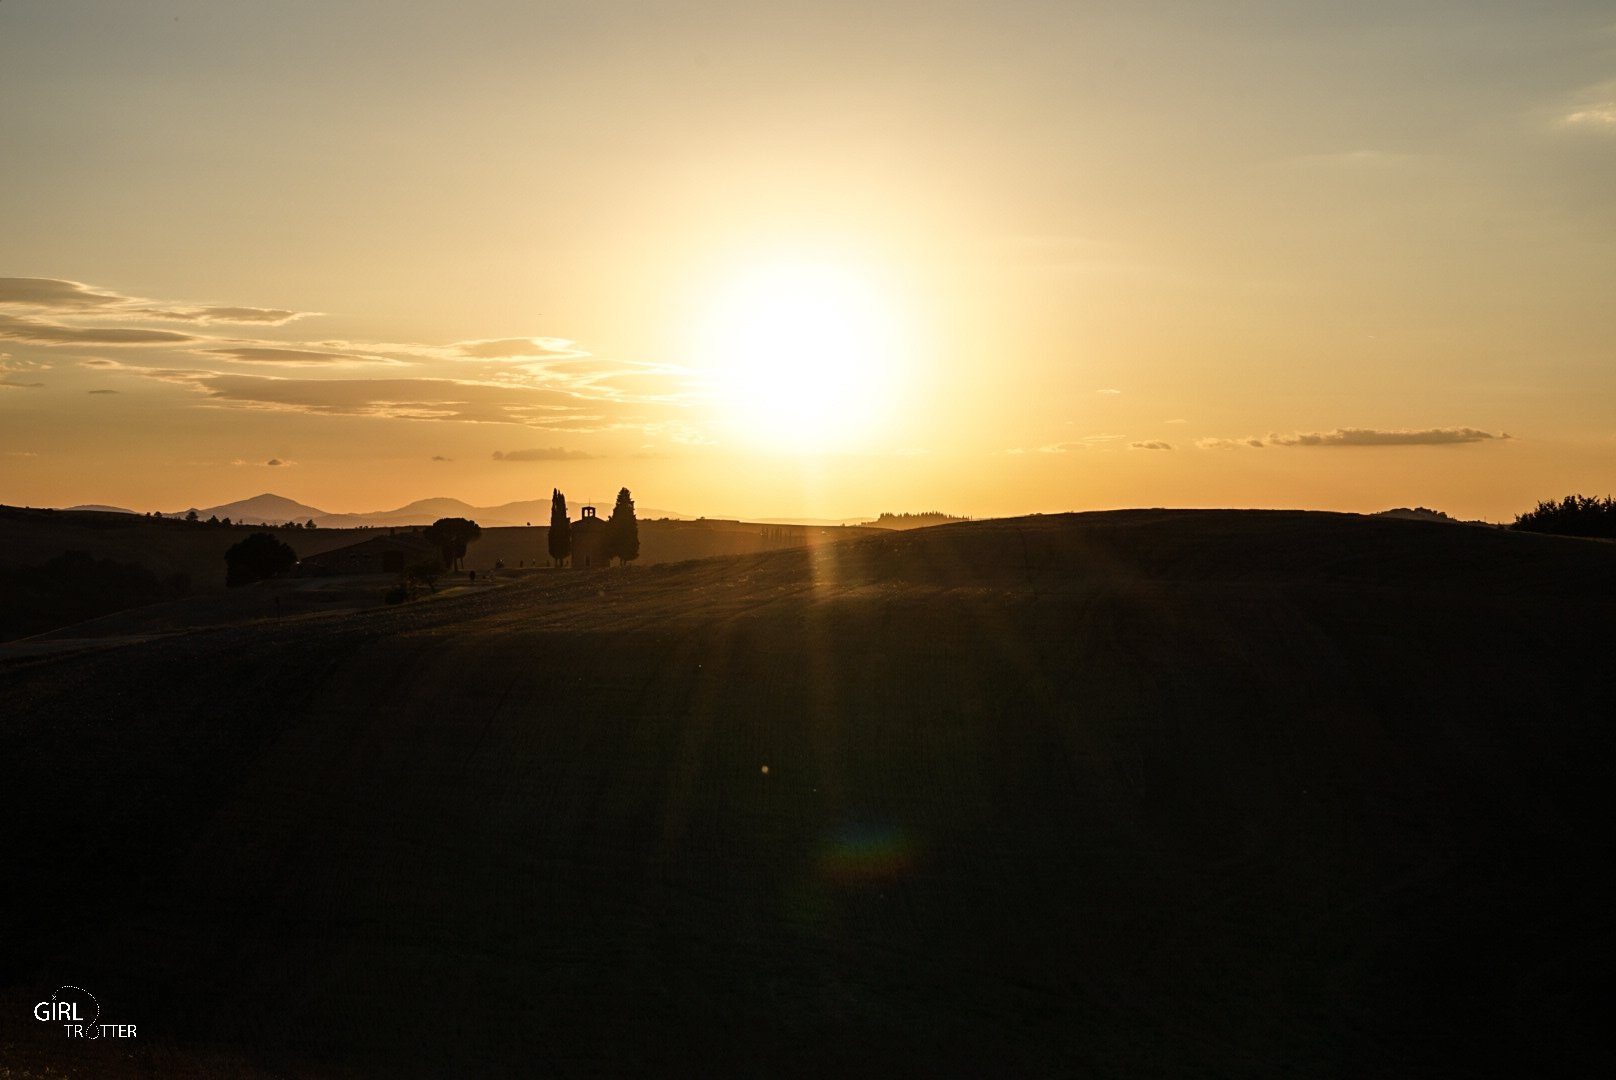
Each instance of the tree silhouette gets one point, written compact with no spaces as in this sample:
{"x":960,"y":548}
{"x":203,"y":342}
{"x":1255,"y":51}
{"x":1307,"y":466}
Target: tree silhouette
{"x":258,"y":557}
{"x":191,"y":515}
{"x":451,"y":536}
{"x":560,"y":528}
{"x":623,"y":530}
{"x":1574,"y":515}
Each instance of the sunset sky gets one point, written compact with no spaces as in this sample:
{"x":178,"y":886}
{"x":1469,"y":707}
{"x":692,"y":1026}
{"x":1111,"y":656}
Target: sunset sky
{"x":821,"y":260}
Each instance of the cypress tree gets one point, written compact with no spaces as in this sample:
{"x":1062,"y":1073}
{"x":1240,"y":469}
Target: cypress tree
{"x":623,"y":530}
{"x":560,"y":527}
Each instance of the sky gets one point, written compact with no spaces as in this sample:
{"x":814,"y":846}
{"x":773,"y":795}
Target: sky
{"x":808,"y":260}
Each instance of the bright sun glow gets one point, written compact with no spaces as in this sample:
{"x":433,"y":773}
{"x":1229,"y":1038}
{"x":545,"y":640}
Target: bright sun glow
{"x":805,"y":356}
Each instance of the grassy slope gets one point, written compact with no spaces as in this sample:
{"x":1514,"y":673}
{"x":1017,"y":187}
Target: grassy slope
{"x":1152,"y":793}
{"x":662,"y":541}
{"x":164,"y":546}
{"x":30,"y":537}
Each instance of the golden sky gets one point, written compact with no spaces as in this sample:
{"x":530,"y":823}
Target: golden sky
{"x":824,"y":260}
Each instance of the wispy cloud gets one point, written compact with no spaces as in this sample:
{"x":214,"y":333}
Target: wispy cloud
{"x":210,"y":315}
{"x":1453,"y":436}
{"x":1601,"y":117}
{"x":548,"y":453}
{"x":12,"y":369}
{"x":1592,"y":110}
{"x":1087,"y":442}
{"x":77,"y":298}
{"x":466,"y":401}
{"x":543,"y":382}
{"x":1228,"y":444}
{"x":1373,"y":437}
{"x":1154,"y":444}
{"x":515,"y":348}
{"x":265,"y":354}
{"x":38,"y":332}
{"x":54,"y":293}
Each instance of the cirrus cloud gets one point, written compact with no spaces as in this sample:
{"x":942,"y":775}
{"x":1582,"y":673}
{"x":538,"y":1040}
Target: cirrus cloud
{"x":10,"y":369}
{"x":544,"y":453}
{"x":465,"y":401}
{"x":514,"y":348}
{"x":71,"y":298}
{"x":38,"y":332}
{"x":55,"y":293}
{"x":539,"y":382}
{"x":1228,"y":444}
{"x":224,"y":314}
{"x":1341,"y":437}
{"x":265,"y":354}
{"x":1372,"y":437}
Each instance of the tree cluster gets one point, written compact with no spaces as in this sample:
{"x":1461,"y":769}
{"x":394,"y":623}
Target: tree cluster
{"x":193,"y":517}
{"x":889,"y":520}
{"x":1574,"y":515}
{"x":257,"y":558}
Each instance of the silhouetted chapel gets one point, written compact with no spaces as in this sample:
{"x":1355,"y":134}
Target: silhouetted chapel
{"x":589,"y":541}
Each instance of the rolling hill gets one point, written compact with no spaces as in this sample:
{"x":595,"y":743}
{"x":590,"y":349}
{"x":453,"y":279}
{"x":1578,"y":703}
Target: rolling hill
{"x":97,"y":508}
{"x":268,"y":509}
{"x":1145,"y":793}
{"x":194,"y":552}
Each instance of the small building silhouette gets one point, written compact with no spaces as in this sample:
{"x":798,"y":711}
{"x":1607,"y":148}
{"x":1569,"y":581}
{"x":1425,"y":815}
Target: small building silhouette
{"x":589,"y":547}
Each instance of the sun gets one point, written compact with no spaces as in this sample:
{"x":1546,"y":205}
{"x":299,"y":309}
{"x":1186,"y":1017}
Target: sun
{"x":804,"y":356}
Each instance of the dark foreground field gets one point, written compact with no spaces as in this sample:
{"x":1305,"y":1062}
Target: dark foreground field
{"x":1143,"y":794}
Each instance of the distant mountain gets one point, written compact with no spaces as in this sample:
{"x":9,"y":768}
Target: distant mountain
{"x":270,"y":509}
{"x":263,"y":509}
{"x":426,"y":511}
{"x":99,"y":508}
